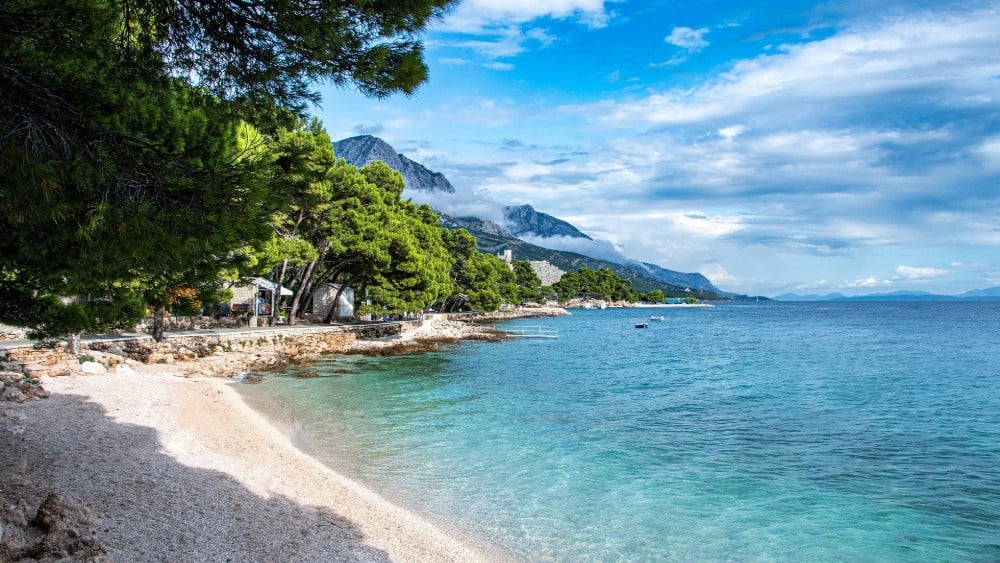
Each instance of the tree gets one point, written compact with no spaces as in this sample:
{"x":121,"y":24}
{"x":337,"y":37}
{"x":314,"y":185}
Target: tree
{"x":270,"y":53}
{"x":654,"y":296}
{"x":597,"y":284}
{"x":127,"y":157}
{"x":528,"y":283}
{"x":483,"y":281}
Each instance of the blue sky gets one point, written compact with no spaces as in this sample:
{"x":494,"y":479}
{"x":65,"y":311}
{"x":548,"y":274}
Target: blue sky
{"x":775,"y":147}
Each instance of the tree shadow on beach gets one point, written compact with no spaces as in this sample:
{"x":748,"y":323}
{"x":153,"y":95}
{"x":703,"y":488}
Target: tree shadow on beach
{"x":183,"y":513}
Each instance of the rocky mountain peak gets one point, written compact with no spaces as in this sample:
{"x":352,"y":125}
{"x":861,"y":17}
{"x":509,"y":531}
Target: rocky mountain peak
{"x":363,"y":149}
{"x":523,"y":219}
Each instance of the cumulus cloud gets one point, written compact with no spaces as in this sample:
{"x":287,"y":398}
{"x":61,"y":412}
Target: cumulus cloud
{"x":460,"y":204}
{"x":869,"y":282}
{"x":915,"y":273}
{"x":882,"y":133}
{"x":863,"y":66}
{"x":476,"y":16}
{"x":502,"y":29}
{"x":687,"y":38}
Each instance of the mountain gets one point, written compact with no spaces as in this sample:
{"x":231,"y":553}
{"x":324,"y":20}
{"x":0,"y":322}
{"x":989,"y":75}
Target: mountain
{"x":492,"y":238}
{"x":809,"y":297}
{"x":694,"y":281}
{"x":899,"y":296}
{"x":486,"y":229}
{"x":989,"y":294}
{"x":524,"y":220}
{"x":361,"y":150}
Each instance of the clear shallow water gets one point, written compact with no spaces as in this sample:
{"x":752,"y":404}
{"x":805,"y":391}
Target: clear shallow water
{"x":790,"y":431}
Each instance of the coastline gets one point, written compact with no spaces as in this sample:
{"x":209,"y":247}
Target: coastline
{"x":168,"y":462}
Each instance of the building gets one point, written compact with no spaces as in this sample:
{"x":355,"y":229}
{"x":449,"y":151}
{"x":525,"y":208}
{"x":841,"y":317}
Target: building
{"x":323,"y":299}
{"x":257,"y":297}
{"x":508,"y":257}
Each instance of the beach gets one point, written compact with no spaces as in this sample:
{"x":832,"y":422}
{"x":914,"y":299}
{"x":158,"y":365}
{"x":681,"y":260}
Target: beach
{"x":156,"y":463}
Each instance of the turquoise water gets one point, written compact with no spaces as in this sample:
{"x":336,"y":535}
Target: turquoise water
{"x":779,"y":431}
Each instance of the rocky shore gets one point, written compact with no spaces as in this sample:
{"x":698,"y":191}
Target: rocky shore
{"x":146,"y":453}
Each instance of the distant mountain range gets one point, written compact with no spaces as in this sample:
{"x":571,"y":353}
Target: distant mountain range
{"x":989,"y":294}
{"x":523,"y":220}
{"x":493,"y":238}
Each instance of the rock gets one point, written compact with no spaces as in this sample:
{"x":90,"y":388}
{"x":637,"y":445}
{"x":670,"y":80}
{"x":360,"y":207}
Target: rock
{"x":124,"y":369}
{"x":11,"y":377}
{"x":12,"y":394}
{"x":93,"y":368}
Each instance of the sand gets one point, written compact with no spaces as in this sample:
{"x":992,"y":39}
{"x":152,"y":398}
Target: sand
{"x":179,"y":468}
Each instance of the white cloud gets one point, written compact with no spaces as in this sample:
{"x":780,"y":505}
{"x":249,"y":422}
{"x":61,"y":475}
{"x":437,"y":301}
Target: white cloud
{"x":597,"y":248}
{"x":523,"y":171}
{"x":672,"y":61}
{"x":869,"y":282}
{"x":502,"y":67}
{"x":915,"y":273}
{"x":719,"y":276}
{"x":731,"y":132}
{"x":949,"y":54}
{"x":454,"y":61}
{"x":488,"y":112}
{"x":687,"y":38}
{"x":475,"y":16}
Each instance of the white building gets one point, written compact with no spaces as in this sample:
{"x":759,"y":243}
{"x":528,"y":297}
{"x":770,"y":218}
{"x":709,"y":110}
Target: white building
{"x":257,"y":297}
{"x":323,"y":300}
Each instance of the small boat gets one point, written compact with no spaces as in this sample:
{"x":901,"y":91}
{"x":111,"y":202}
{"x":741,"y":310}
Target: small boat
{"x":641,"y":325}
{"x":656,"y":318}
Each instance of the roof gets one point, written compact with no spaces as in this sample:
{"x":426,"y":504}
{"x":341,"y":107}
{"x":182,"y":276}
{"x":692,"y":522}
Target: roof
{"x":270,"y":286}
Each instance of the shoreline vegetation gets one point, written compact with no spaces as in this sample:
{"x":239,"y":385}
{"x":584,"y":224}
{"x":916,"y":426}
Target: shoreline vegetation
{"x":140,"y":461}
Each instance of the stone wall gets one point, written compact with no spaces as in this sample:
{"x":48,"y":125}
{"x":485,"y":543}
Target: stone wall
{"x":546,"y":271}
{"x":225,"y":353}
{"x":277,"y":343}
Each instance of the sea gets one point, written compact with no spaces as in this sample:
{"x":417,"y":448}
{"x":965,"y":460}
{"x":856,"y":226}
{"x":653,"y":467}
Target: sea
{"x":762,"y":431}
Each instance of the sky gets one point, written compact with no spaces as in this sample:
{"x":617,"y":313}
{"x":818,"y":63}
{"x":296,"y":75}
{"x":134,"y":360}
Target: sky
{"x":775,"y":147}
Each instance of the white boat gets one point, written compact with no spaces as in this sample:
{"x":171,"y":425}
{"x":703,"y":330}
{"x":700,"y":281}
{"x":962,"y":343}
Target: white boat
{"x":641,"y":325}
{"x":656,"y":317}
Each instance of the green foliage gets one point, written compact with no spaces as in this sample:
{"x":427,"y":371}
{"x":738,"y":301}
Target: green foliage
{"x":596,"y":284}
{"x":483,"y":281}
{"x":125,"y":139}
{"x":50,"y":315}
{"x":528,"y":283}
{"x":268,"y":54}
{"x":654,"y":296}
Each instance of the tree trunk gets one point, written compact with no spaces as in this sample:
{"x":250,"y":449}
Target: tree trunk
{"x":277,"y":293}
{"x":158,"y":327}
{"x":332,"y":313}
{"x":303,"y":288}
